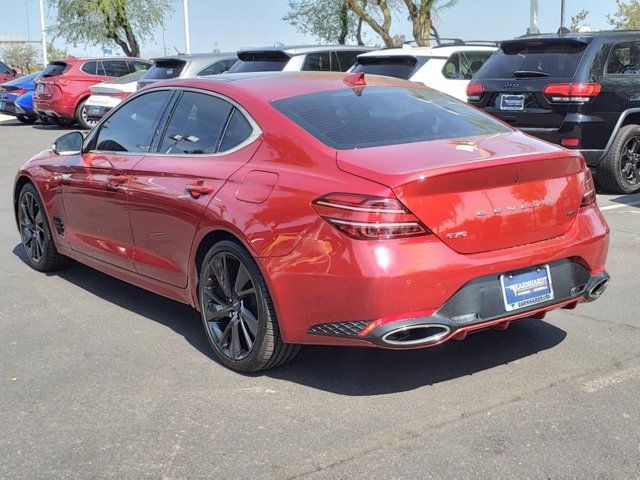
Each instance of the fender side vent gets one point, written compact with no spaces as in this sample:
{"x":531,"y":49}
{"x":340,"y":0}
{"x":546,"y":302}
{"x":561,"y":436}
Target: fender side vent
{"x":59,"y":225}
{"x":339,"y":329}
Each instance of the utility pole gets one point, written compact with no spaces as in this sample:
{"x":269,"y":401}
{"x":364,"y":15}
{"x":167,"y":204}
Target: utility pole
{"x":562,"y":6}
{"x":533,"y":18}
{"x":187,"y":40}
{"x":43,"y":35}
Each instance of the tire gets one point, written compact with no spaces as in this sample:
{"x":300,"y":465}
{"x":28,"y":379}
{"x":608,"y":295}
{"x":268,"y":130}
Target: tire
{"x":619,"y":170}
{"x":82,"y":117}
{"x":63,"y":122}
{"x":35,"y":233}
{"x":27,"y":119}
{"x":45,"y":120}
{"x":237,"y":311}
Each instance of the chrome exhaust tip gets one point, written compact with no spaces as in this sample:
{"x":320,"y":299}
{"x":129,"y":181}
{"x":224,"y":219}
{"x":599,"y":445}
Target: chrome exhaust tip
{"x":414,"y":335}
{"x":596,"y":287}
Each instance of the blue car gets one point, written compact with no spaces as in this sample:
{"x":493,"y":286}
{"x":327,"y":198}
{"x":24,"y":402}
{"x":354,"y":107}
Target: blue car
{"x":16,"y":98}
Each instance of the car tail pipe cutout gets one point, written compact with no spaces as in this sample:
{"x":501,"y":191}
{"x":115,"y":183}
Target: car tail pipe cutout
{"x":596,"y":286}
{"x":415,"y":335}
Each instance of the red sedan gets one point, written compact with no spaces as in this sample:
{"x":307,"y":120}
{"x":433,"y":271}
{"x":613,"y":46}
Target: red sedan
{"x":319,"y":208}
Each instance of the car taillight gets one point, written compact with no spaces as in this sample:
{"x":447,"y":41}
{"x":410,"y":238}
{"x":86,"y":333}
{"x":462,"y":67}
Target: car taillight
{"x":589,"y":190}
{"x":366,"y":217}
{"x":572,"y":92}
{"x":475,"y":92}
{"x":20,"y":92}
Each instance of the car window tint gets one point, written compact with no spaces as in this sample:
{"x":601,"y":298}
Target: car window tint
{"x":4,"y":69}
{"x":624,"y":59}
{"x":216,"y":68}
{"x":375,"y":116}
{"x":131,"y":127}
{"x":90,"y":68}
{"x":346,"y":59}
{"x":139,"y":66}
{"x":471,"y":62}
{"x":196,"y":124}
{"x":164,"y":69}
{"x":115,"y":68}
{"x":398,"y":66}
{"x":317,"y":62}
{"x":238,"y":130}
{"x":55,"y":68}
{"x":451,"y":69}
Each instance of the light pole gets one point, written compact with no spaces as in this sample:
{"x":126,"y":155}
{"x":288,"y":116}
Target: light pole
{"x":42,"y":35}
{"x":187,"y":40}
{"x":533,"y":18}
{"x":562,"y":5}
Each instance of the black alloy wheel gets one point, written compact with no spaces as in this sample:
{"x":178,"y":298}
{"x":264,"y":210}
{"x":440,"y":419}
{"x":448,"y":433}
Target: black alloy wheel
{"x":237,"y":311}
{"x":630,"y":161}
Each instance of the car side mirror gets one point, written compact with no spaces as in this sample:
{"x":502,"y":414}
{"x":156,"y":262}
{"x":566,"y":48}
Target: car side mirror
{"x":69,"y":144}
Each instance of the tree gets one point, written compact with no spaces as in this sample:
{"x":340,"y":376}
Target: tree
{"x":421,"y":16}
{"x":362,"y":9}
{"x":56,"y":53}
{"x":627,"y":17}
{"x":124,"y":23}
{"x":327,"y":20}
{"x":21,"y":56}
{"x":577,"y":20}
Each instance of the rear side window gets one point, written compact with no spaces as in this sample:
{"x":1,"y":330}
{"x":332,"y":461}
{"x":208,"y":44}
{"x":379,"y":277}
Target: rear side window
{"x":345,"y":59}
{"x":217,"y":68}
{"x":115,"y":68}
{"x":392,"y":66}
{"x":136,"y":66}
{"x":196,"y":125}
{"x":522,"y":59}
{"x":317,"y":62}
{"x":91,"y":68}
{"x":163,"y":70}
{"x":237,"y":131}
{"x":624,"y":59}
{"x":464,"y":65}
{"x":55,"y":68}
{"x":378,"y":116}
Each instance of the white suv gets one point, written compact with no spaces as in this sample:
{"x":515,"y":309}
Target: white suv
{"x":447,"y":68}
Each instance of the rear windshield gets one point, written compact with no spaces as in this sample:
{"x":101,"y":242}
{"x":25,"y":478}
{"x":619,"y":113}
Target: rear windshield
{"x":398,"y":67}
{"x":534,"y":59}
{"x":344,"y":119}
{"x":57,"y":68}
{"x":164,"y":70}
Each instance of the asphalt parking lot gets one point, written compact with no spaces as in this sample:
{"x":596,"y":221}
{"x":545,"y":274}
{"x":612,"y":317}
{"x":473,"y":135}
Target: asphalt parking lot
{"x":99,"y":379}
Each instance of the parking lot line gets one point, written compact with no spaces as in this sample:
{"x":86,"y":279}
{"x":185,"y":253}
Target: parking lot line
{"x":620,"y":205}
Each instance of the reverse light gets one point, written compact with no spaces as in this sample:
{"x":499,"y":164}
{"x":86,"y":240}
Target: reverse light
{"x":589,"y":189}
{"x":571,"y":92}
{"x":475,"y":92}
{"x":366,"y":217}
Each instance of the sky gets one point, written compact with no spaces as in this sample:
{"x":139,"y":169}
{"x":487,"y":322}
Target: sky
{"x":230,"y":25}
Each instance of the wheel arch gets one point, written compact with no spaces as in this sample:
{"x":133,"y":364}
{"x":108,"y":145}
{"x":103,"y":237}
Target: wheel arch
{"x":628,"y":117}
{"x":20,"y":182}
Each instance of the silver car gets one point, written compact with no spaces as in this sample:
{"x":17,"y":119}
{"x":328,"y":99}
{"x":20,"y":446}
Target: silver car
{"x":187,"y":66}
{"x":327,"y":58}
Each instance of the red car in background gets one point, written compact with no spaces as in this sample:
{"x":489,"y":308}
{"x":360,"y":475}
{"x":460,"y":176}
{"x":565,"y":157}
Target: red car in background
{"x":7,"y":73}
{"x":319,"y":208}
{"x":63,"y":88}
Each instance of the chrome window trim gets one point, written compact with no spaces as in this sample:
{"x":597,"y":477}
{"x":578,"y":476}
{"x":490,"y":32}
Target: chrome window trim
{"x":255,"y":133}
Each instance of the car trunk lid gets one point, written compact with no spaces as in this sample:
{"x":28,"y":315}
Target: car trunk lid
{"x":504,"y":190}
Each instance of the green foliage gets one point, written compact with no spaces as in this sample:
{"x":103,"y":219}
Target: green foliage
{"x":327,"y":20}
{"x":627,"y":17}
{"x":21,"y":56}
{"x":578,"y":20}
{"x":110,"y":22}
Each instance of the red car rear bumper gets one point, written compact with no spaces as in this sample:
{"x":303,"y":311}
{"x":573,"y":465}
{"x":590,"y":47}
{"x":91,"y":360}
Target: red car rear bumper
{"x":375,"y":286}
{"x":54,"y":109}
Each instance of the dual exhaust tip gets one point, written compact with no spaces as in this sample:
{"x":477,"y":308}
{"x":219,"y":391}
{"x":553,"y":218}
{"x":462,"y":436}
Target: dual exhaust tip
{"x":431,"y":333}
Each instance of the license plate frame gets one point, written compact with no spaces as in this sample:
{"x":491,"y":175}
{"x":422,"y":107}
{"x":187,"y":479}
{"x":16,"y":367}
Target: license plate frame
{"x":526,"y":288}
{"x":512,"y":102}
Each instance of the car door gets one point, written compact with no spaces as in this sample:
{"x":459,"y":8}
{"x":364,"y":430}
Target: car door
{"x":206,"y":139}
{"x":95,"y":184}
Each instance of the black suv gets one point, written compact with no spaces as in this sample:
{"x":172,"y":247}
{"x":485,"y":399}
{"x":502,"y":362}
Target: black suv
{"x":581,"y":91}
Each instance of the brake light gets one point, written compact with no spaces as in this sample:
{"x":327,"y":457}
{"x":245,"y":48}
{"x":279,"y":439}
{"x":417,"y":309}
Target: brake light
{"x":475,"y":92}
{"x":572,"y":92}
{"x":20,"y":92}
{"x":589,"y":190}
{"x":570,"y":142}
{"x":366,"y":217}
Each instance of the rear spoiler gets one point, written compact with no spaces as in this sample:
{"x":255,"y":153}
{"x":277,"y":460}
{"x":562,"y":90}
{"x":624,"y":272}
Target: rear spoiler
{"x":408,"y":60}
{"x":257,"y":55}
{"x":166,"y":62}
{"x":513,"y":46}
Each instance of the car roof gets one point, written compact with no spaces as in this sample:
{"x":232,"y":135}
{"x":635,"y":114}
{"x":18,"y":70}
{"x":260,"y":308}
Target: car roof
{"x":73,"y":60}
{"x":291,"y":50}
{"x":587,"y":36}
{"x":444,"y":51}
{"x":264,"y":87}
{"x":196,"y":56}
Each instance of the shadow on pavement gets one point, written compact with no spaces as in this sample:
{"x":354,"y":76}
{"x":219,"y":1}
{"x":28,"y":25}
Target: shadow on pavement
{"x":346,"y":371}
{"x":632,"y":200}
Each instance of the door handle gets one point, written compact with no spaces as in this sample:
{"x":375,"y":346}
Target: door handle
{"x":113,"y":181}
{"x":198,"y":189}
